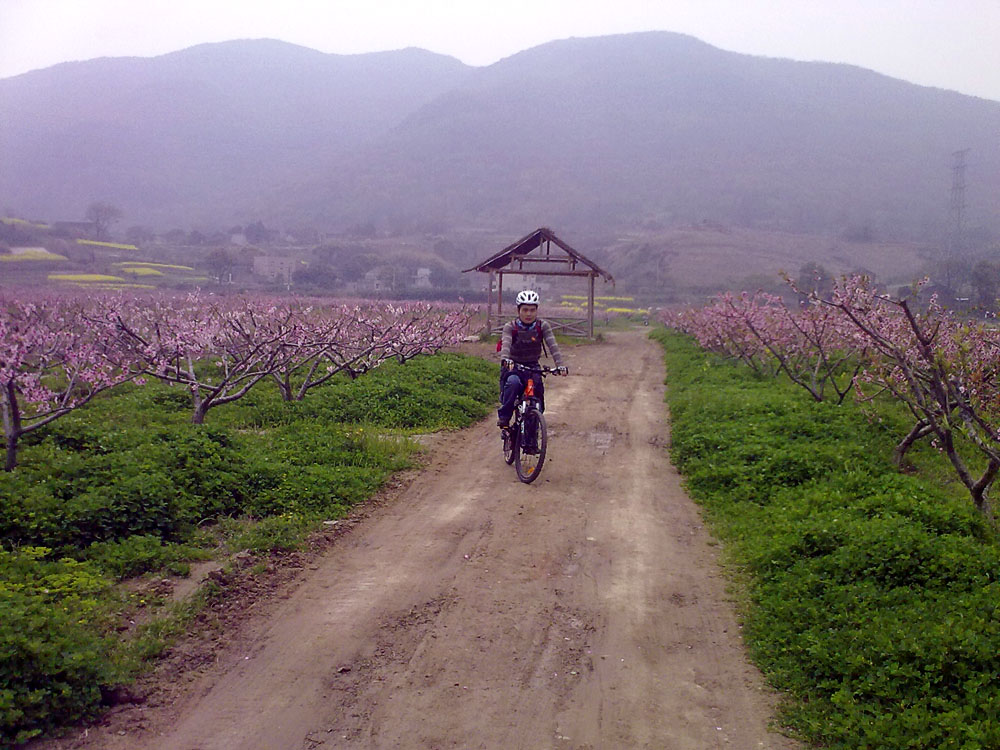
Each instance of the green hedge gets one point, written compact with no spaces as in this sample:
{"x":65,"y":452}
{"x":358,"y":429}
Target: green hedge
{"x":52,"y":651}
{"x":124,"y":485}
{"x":872,"y":597}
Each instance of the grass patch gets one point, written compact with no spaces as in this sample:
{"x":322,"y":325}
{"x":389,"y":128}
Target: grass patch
{"x":128,"y":486}
{"x":872,"y":598}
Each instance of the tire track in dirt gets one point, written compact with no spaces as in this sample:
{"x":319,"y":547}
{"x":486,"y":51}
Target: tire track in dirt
{"x":584,"y":611}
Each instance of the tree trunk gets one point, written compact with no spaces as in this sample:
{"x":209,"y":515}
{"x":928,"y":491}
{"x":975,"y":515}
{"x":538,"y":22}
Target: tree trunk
{"x":307,"y":382}
{"x":977,"y":487}
{"x":920,"y":429}
{"x":980,"y":488}
{"x":285,"y":386}
{"x":199,"y":412}
{"x":11,"y":424}
{"x":11,"y":461}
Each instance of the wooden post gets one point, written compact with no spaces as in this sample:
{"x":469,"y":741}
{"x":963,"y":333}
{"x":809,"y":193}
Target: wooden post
{"x":489,"y":305}
{"x":591,"y":305}
{"x":500,"y":298}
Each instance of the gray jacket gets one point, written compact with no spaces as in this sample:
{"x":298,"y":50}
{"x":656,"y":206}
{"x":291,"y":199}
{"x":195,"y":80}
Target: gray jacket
{"x":548,"y":338}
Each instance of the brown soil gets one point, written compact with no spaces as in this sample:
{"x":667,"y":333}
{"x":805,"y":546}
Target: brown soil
{"x":468,"y":610}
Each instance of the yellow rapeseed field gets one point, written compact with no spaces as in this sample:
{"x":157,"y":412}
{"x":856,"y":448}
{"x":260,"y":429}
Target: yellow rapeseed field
{"x":31,"y":255}
{"x":126,"y":264}
{"x":14,"y":222}
{"x":115,"y":287}
{"x":598,"y":298}
{"x":84,"y":278}
{"x":115,"y":245}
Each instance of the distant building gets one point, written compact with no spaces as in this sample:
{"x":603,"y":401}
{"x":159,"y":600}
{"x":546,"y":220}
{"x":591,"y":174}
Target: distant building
{"x":422,"y":278}
{"x":275,"y":267}
{"x":373,"y":281}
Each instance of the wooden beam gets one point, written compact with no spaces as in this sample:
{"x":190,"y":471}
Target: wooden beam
{"x":563,"y":261}
{"x":555,"y":273}
{"x":574,"y":326}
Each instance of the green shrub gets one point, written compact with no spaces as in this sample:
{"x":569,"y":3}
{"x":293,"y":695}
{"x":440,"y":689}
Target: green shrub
{"x":129,"y":485}
{"x":53,"y":659}
{"x":430,"y":393}
{"x":139,"y":553}
{"x":873,"y":598}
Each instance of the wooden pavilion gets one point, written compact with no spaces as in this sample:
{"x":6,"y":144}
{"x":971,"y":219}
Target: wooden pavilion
{"x":534,"y":254}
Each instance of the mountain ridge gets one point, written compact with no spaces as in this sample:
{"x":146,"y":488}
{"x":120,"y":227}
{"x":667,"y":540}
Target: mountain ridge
{"x":215,"y":119}
{"x":702,"y":119}
{"x":647,"y":129}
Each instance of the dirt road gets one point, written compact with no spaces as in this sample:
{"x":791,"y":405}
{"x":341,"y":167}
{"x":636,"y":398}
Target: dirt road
{"x":583,"y":611}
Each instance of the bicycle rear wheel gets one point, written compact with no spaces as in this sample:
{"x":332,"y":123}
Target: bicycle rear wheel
{"x":528,"y":464}
{"x":510,"y":443}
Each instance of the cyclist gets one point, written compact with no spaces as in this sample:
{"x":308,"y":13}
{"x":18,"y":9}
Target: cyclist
{"x":522,"y":343}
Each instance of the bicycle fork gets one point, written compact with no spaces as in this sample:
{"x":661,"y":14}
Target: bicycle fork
{"x":528,"y":428}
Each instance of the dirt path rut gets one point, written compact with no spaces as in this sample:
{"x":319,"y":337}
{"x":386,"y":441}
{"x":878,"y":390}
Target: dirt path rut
{"x":583,"y":611}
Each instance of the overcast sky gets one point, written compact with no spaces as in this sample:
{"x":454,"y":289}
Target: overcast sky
{"x":952,"y":44}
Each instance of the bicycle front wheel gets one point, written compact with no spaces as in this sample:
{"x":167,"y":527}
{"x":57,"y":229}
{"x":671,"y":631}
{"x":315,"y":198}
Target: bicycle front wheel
{"x":529,"y":453}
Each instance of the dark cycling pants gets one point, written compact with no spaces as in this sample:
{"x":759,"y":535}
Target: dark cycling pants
{"x":512,"y":384}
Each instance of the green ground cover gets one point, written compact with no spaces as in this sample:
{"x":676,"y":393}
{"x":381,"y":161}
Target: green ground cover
{"x":871,"y":597}
{"x":127,"y":486}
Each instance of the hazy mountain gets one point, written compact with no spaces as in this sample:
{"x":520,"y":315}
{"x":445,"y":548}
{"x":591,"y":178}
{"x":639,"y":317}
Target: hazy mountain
{"x":652,"y":129}
{"x":660,"y":128}
{"x":198,"y":135}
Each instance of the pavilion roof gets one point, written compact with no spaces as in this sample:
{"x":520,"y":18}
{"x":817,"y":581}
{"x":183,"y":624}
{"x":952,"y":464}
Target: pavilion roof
{"x":530,"y":242}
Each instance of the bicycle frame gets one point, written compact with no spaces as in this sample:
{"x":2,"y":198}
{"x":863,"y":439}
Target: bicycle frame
{"x":528,"y":461}
{"x":528,"y":398}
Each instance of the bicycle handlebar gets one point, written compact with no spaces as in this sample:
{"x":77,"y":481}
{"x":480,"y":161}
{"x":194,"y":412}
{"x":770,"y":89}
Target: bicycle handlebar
{"x":544,"y":369}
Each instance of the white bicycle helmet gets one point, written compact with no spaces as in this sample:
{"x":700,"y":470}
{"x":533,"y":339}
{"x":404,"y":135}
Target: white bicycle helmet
{"x":527,"y":297}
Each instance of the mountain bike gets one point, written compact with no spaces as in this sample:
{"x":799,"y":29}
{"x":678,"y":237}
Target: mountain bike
{"x":526,"y":438}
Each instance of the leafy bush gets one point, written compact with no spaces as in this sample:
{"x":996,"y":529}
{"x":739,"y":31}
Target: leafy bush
{"x":429,"y":393}
{"x":873,"y":598}
{"x":123,"y":487}
{"x":140,"y":553}
{"x":134,"y":465}
{"x":160,"y":481}
{"x":52,"y":655}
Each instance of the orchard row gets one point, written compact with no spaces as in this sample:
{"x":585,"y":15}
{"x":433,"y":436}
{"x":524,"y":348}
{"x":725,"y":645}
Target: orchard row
{"x":58,"y":352}
{"x":945,"y":370}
